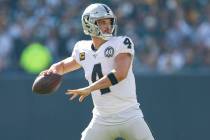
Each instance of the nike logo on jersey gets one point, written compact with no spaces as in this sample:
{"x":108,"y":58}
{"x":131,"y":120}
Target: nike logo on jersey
{"x":94,"y":55}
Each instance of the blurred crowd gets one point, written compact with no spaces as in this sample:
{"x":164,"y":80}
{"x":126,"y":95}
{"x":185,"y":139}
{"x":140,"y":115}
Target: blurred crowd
{"x":170,"y":36}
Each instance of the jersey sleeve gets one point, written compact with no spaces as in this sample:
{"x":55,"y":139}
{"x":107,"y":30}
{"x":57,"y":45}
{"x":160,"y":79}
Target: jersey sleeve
{"x":75,"y":53}
{"x":125,"y":45}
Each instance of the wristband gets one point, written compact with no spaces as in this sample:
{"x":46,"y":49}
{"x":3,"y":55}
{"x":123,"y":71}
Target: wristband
{"x":112,"y":78}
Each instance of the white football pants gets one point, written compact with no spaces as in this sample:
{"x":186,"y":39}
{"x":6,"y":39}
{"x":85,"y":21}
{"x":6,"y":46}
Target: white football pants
{"x":133,"y":129}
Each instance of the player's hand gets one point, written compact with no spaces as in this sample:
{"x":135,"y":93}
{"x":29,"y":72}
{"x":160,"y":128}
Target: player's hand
{"x":55,"y":68}
{"x":48,"y":72}
{"x":82,"y":92}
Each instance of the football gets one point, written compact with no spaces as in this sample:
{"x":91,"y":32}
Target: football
{"x":46,"y":84}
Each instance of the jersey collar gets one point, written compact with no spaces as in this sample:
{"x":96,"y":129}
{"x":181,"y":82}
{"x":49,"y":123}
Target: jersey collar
{"x":93,"y":48}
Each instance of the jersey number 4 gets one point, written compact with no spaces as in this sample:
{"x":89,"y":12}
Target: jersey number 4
{"x":97,"y":72}
{"x":128,"y":43}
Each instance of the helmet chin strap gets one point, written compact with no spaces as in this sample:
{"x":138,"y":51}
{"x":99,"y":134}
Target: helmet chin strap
{"x":103,"y":37}
{"x":106,"y":36}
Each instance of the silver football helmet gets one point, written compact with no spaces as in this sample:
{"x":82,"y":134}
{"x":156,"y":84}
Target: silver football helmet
{"x":93,"y":13}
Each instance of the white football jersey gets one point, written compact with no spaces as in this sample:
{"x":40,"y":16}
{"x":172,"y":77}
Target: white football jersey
{"x":100,"y":62}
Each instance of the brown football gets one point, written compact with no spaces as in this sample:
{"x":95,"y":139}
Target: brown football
{"x":47,"y":84}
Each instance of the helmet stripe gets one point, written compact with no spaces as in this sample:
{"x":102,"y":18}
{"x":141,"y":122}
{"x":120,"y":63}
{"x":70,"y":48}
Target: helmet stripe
{"x":106,"y":8}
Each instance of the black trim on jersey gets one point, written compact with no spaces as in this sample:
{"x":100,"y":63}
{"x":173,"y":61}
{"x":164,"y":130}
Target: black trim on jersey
{"x":93,"y":48}
{"x":112,"y":78}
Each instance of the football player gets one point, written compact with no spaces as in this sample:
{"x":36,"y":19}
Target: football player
{"x":107,"y":62}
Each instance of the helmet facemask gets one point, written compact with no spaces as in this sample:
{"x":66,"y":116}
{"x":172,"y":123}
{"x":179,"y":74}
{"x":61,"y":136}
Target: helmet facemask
{"x":111,"y":29}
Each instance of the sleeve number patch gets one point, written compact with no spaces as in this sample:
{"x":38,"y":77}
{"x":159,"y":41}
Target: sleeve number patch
{"x":97,"y":72}
{"x":128,"y":43}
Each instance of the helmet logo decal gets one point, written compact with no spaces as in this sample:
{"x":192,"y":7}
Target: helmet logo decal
{"x":109,"y":52}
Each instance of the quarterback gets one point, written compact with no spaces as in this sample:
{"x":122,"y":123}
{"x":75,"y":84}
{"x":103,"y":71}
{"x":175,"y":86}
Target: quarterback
{"x":107,"y":62}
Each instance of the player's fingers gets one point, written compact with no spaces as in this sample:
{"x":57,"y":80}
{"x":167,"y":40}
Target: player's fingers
{"x":68,"y":92}
{"x":54,"y":71}
{"x":48,"y":72}
{"x":43,"y":72}
{"x":73,"y":97}
{"x":81,"y":98}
